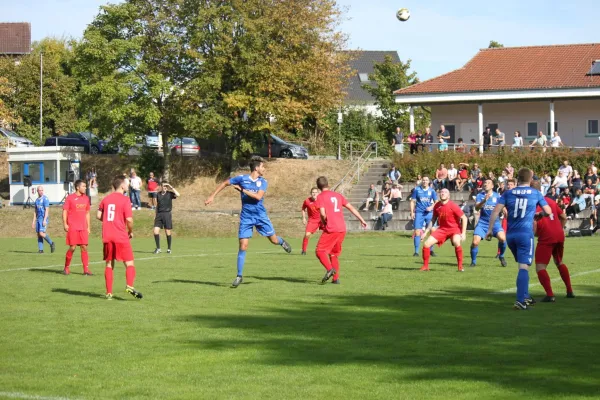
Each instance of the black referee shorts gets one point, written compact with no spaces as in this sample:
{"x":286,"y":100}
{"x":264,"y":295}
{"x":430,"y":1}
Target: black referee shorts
{"x":163,"y":220}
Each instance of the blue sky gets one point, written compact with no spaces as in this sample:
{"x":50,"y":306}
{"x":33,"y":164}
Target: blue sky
{"x":440,"y":36}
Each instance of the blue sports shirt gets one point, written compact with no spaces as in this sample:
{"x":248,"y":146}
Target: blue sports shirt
{"x":520,"y":204}
{"x":250,"y":205}
{"x":424,"y":198}
{"x":486,"y":211}
{"x":41,"y":204}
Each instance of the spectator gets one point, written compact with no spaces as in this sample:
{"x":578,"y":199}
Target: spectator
{"x":386,"y":214}
{"x":565,"y":170}
{"x":546,"y":181}
{"x":473,"y":147}
{"x":555,"y":140}
{"x":510,"y":171}
{"x":386,"y":192}
{"x":589,"y":191}
{"x":393,"y":174}
{"x":152,"y":187}
{"x":396,"y":197}
{"x":492,"y":177}
{"x":501,"y":187}
{"x":441,"y":177}
{"x":91,"y":177}
{"x":478,"y":184}
{"x":460,"y":147}
{"x":463,"y":176}
{"x":419,"y":141}
{"x":135,"y":185}
{"x":371,"y":197}
{"x":593,"y":167}
{"x":518,"y":140}
{"x":590,"y":175}
{"x":540,"y":141}
{"x":443,"y":146}
{"x":487,"y":139}
{"x":577,"y":205}
{"x":500,"y":138}
{"x":576,"y":181}
{"x":398,"y":141}
{"x":412,"y":142}
{"x":552,"y":194}
{"x":419,"y":180}
{"x":429,"y":139}
{"x":444,"y":134}
{"x":452,"y":175}
{"x":503,"y":177}
{"x":566,"y":196}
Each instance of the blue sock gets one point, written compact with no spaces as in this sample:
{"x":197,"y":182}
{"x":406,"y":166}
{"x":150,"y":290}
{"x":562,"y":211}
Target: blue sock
{"x":522,"y":285}
{"x":502,"y":247}
{"x":431,"y":249}
{"x":40,"y":243}
{"x":280,"y":240}
{"x":474,"y":252}
{"x":47,"y":238}
{"x":240,"y":262}
{"x":417,"y":241}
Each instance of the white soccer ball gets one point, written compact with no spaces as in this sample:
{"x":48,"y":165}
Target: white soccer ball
{"x":403,"y":14}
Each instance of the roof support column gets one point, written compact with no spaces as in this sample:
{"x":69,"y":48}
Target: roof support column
{"x":411,"y":111}
{"x":480,"y":114}
{"x":551,"y":133}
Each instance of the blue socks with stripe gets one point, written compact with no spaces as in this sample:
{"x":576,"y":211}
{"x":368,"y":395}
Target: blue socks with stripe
{"x":241,"y":261}
{"x":417,"y":241}
{"x":47,"y":238}
{"x":40,"y":243}
{"x":502,"y":248}
{"x":280,"y":240}
{"x":474,"y":252}
{"x":522,"y":285}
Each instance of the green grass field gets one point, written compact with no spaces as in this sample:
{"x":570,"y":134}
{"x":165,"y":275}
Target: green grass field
{"x":387,"y":332}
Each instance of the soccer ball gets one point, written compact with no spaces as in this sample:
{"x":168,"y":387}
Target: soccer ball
{"x":403,"y":14}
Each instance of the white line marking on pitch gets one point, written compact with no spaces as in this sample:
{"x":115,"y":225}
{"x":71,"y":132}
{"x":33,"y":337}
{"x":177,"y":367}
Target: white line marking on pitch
{"x":17,"y":395}
{"x":553,"y":280}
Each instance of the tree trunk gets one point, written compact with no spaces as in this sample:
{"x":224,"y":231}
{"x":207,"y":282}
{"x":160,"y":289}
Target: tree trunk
{"x":166,"y":152}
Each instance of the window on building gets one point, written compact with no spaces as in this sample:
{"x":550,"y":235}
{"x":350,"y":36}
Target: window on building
{"x":593,"y":127}
{"x":15,"y":172}
{"x":35,"y":171}
{"x":595,"y":70}
{"x":49,"y":171}
{"x":532,"y":129}
{"x":65,"y":165}
{"x":364,"y":77}
{"x":551,"y":132}
{"x":493,"y":126}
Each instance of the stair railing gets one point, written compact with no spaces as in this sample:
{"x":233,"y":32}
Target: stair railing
{"x":353,"y":174}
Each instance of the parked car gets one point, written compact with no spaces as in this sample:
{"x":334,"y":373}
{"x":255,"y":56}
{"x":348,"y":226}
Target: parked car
{"x":91,"y":143}
{"x":14,"y":140}
{"x":153,"y":140}
{"x":281,"y":148}
{"x":184,"y":147}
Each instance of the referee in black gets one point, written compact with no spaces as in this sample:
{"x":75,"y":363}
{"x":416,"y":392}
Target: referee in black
{"x":163,"y":219}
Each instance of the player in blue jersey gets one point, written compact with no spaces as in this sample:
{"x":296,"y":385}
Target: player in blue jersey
{"x":41,"y":219}
{"x":485,"y":203}
{"x":254,"y":215}
{"x":521,"y":203}
{"x":421,"y":211}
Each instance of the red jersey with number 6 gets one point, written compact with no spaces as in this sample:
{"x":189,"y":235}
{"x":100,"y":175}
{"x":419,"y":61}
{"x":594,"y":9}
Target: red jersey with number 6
{"x":333,"y":204}
{"x":115,"y":208}
{"x":549,"y":229}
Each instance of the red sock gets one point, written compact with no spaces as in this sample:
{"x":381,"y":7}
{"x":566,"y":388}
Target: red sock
{"x":335,"y":263}
{"x":564,"y":274}
{"x":459,"y":256}
{"x":426,"y":255}
{"x":68,"y":258}
{"x":85,"y":260}
{"x":130,"y":275}
{"x":304,"y":244}
{"x":544,"y":279}
{"x":108,"y":278}
{"x":324,"y":258}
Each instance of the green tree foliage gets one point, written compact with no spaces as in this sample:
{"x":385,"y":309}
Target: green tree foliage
{"x":389,"y":77}
{"x":7,"y":115}
{"x":495,"y":45}
{"x":59,"y":89}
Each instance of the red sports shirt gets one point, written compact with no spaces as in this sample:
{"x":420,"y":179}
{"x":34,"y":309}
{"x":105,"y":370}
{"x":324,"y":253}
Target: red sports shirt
{"x":77,"y":208}
{"x":333,"y":204}
{"x":312,"y":208}
{"x":448,"y":215}
{"x":550,"y":230}
{"x":152,"y":185}
{"x":115,"y":208}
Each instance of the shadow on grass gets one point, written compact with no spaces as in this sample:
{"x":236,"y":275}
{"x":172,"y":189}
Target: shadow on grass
{"x":80,"y":293}
{"x":23,"y":252}
{"x":48,"y":271}
{"x":192,"y":282}
{"x":457,"y":336}
{"x":283,"y":279}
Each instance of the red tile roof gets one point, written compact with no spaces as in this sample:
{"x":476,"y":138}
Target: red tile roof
{"x":518,"y":68}
{"x":15,"y":38}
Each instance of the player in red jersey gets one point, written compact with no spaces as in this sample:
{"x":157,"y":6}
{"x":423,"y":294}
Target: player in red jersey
{"x":448,"y":215}
{"x":551,"y":244}
{"x":117,"y":228}
{"x":310,"y":208}
{"x":76,"y":222}
{"x":329,"y":246}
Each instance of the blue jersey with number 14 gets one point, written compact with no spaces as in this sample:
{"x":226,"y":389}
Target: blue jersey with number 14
{"x":520,"y":204}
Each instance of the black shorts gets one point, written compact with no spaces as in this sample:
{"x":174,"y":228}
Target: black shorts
{"x":152,"y":195}
{"x":163,"y":220}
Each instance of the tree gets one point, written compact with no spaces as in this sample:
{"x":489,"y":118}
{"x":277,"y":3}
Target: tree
{"x":7,"y":115}
{"x":390,"y":76}
{"x":495,"y":45}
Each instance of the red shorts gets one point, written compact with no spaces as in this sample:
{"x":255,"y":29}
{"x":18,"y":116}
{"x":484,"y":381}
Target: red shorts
{"x":331,"y":243}
{"x":442,"y":234}
{"x":313,"y":225}
{"x":118,"y":251}
{"x":545,"y":251}
{"x":75,"y":238}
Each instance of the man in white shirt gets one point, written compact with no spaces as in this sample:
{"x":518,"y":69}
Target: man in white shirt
{"x":135,"y":185}
{"x":452,"y":174}
{"x":540,"y":141}
{"x":386,"y":214}
{"x":555,"y":141}
{"x":565,"y":170}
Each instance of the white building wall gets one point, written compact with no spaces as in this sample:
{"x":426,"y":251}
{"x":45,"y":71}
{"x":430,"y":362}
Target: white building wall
{"x":572,"y":117}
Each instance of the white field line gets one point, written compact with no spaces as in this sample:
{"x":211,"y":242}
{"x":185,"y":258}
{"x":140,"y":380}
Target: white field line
{"x":513,"y":289}
{"x":18,"y":395}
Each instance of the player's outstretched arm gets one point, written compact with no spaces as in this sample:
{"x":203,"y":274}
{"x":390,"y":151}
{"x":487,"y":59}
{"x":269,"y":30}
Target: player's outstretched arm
{"x":354,"y":212}
{"x":497,"y":210}
{"x":219,"y":188}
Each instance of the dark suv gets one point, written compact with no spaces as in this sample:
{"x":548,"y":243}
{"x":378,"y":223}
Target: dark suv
{"x":91,"y":143}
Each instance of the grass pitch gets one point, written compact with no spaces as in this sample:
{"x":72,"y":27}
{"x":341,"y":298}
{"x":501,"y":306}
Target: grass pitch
{"x":387,"y":332}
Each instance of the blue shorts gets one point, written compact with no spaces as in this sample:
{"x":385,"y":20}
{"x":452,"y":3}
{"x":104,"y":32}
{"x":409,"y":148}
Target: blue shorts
{"x":422,"y":220}
{"x":262,"y":223}
{"x":39,"y":225}
{"x":482,"y":228}
{"x":521,"y":245}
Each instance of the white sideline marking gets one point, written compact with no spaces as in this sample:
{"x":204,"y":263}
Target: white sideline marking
{"x":18,"y":395}
{"x":553,"y":280}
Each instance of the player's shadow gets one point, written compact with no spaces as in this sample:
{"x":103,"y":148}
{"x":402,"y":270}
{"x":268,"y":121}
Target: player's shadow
{"x":283,"y":279}
{"x":23,"y":252}
{"x":49,"y":271}
{"x":192,"y":282}
{"x":401,"y":268}
{"x":80,"y":293}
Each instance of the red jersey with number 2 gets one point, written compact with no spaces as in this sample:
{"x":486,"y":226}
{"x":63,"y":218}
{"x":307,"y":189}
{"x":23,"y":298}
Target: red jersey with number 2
{"x":549,"y":229}
{"x":333,"y":203}
{"x":448,"y":215}
{"x":312,"y":209}
{"x":115,"y":208}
